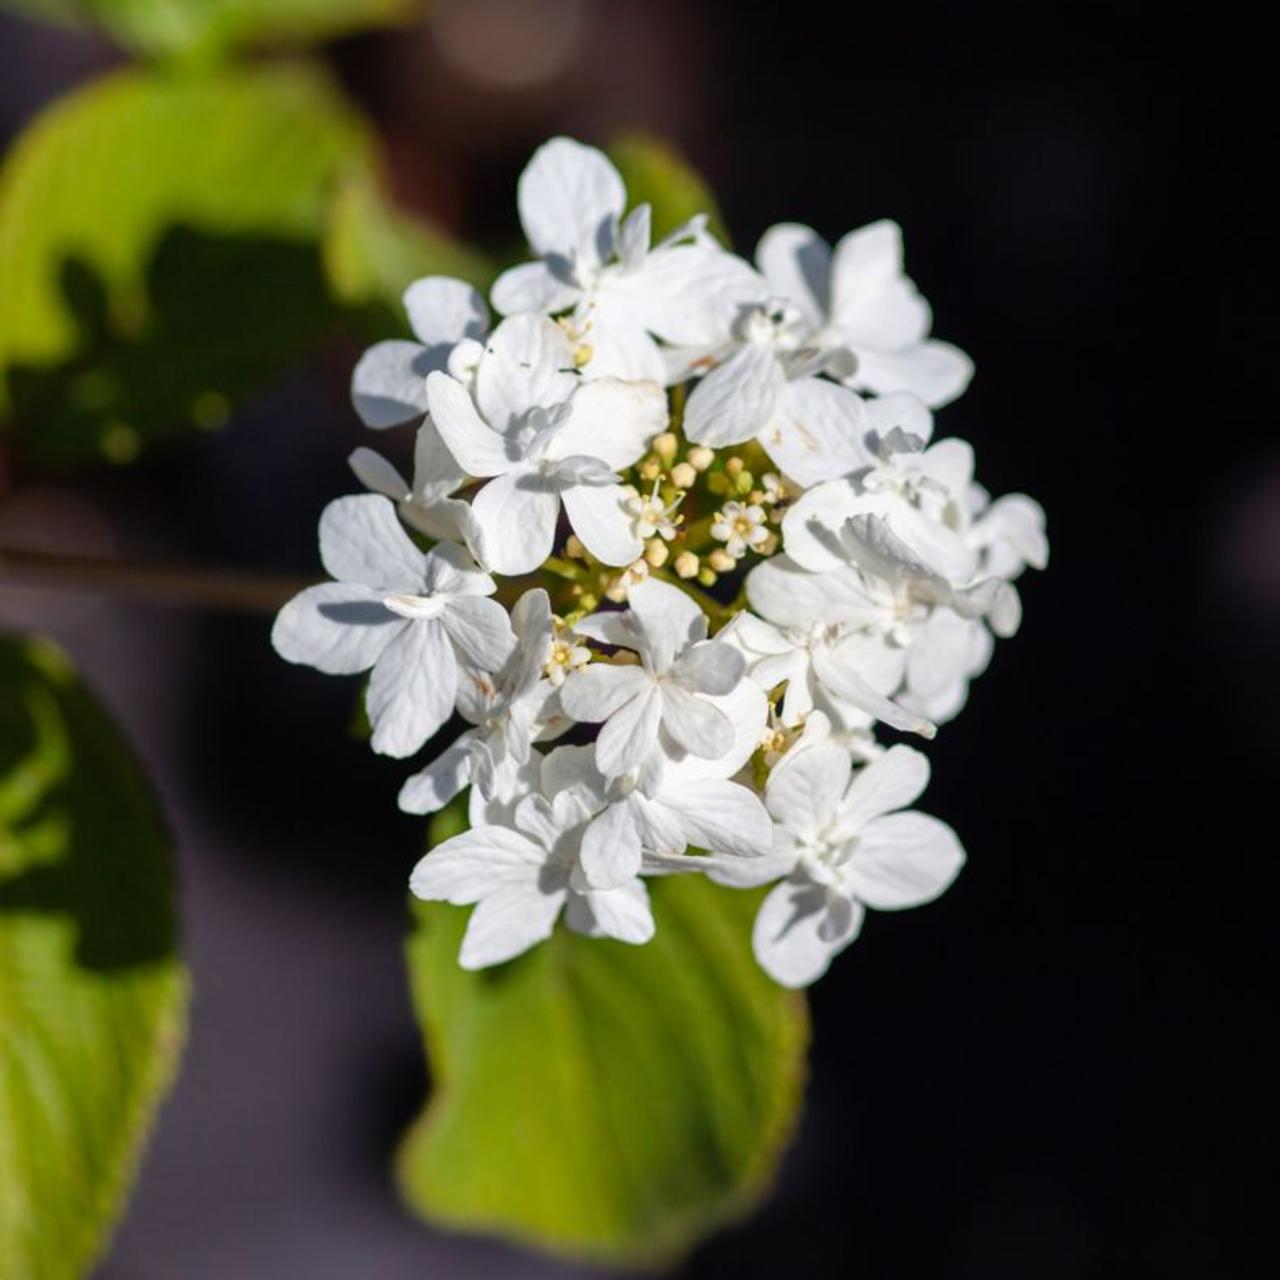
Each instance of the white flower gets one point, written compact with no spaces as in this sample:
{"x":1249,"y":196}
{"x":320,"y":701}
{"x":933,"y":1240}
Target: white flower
{"x":427,"y":504}
{"x":388,"y":386}
{"x":622,"y":293}
{"x":741,"y":527}
{"x":407,"y":615}
{"x":1010,"y":535}
{"x":565,"y":656}
{"x":858,"y":300}
{"x":521,"y":879}
{"x":833,"y":638}
{"x":511,"y":710}
{"x":921,"y":491}
{"x":667,"y":692}
{"x":884,"y":625}
{"x":651,"y":517}
{"x":545,"y":442}
{"x":765,"y":387}
{"x":674,"y":799}
{"x":871,"y":544}
{"x":844,"y":848}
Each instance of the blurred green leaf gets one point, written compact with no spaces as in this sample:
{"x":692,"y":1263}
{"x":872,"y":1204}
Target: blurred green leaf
{"x":372,"y":252}
{"x":599,"y":1100}
{"x":203,"y":28}
{"x":92,"y":994}
{"x":656,"y":172}
{"x":159,"y":247}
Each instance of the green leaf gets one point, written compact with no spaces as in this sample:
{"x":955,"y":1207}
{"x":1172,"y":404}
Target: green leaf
{"x":92,"y":994}
{"x":604,"y":1101}
{"x":159,"y":247}
{"x":204,"y":28}
{"x":372,"y":252}
{"x":655,"y":172}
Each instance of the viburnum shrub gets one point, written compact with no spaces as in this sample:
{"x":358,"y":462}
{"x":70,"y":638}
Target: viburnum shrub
{"x":689,"y":514}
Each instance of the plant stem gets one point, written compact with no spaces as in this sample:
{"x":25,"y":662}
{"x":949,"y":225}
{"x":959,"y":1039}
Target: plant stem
{"x":565,"y":569}
{"x":181,"y":585}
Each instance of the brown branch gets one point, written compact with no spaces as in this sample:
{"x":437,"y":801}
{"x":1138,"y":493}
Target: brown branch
{"x":181,"y":585}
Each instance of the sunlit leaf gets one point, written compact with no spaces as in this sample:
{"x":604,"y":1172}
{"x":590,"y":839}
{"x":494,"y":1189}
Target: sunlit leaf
{"x":201,"y":28}
{"x":656,"y":173}
{"x":159,"y":247}
{"x":599,"y":1100}
{"x":92,"y":994}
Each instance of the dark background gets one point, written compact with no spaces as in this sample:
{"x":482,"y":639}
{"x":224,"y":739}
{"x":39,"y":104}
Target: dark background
{"x":1062,"y":1068}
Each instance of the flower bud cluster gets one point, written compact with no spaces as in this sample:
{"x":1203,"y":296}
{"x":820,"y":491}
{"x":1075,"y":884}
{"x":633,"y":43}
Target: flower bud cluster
{"x":686,"y":513}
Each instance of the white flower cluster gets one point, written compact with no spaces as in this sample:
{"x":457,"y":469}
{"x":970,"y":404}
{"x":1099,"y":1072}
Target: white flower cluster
{"x":741,"y":550}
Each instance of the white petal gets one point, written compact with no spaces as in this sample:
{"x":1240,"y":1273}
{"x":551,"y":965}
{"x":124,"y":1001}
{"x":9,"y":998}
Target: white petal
{"x":818,"y":431}
{"x":362,"y":541}
{"x":806,"y":787}
{"x":597,"y":516}
{"x":669,"y":620}
{"x":950,"y":462}
{"x":634,"y":237}
{"x":709,"y":667}
{"x":573,"y":770}
{"x":935,"y":371}
{"x":467,"y":866}
{"x":629,"y":734}
{"x":747,"y":710}
{"x":610,"y":852}
{"x":796,"y":262}
{"x":892,"y":781}
{"x":430,"y":789}
{"x":864,"y":260}
{"x":569,"y":197}
{"x":787,"y":934}
{"x":904,"y":860}
{"x":619,"y":346}
{"x":597,"y":691}
{"x":852,"y":686}
{"x":694,"y":723}
{"x":480,"y":630}
{"x":508,"y":922}
{"x":451,"y":570}
{"x":411,"y":690}
{"x":1012,"y":530}
{"x":613,"y":421}
{"x":939,"y":654}
{"x":532,"y":286}
{"x":886,"y":316}
{"x":516,"y":516}
{"x":377,"y":474}
{"x":443,"y":311}
{"x":811,"y":527}
{"x":721,"y":816}
{"x":616,"y":627}
{"x":436,"y":472}
{"x":388,"y":386}
{"x":477,"y":447}
{"x":788,"y":595}
{"x":623,"y":913}
{"x":659,"y":827}
{"x":736,"y":400}
{"x":722,"y":868}
{"x":527,"y":363}
{"x":872,"y":544}
{"x":688,"y":295}
{"x":900,"y":409}
{"x":338,"y":628}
